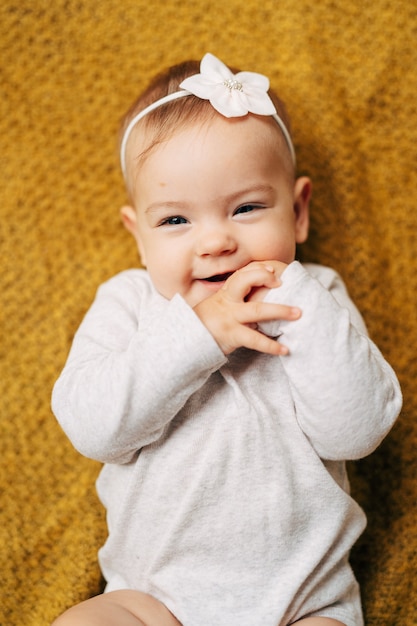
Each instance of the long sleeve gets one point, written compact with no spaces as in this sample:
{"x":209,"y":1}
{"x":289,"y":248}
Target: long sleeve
{"x":134,"y":362}
{"x":243,"y":451}
{"x":346,"y":395}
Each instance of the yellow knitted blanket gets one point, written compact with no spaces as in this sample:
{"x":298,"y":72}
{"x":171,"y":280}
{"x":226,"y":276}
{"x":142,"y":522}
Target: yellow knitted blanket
{"x":68,"y":70}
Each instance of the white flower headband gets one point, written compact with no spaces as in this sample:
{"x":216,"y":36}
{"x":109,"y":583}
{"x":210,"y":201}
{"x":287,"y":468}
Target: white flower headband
{"x":232,"y":95}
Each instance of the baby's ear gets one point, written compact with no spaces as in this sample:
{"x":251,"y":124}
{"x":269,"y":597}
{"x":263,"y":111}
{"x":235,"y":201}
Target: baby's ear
{"x":129,"y":219}
{"x":130,"y":222}
{"x":302,"y":195}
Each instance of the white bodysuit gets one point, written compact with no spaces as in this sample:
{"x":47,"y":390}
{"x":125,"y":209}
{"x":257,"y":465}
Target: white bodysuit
{"x":224,"y":479}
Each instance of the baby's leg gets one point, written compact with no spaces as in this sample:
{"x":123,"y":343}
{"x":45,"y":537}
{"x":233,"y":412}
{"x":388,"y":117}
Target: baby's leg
{"x":319,"y":621}
{"x":118,"y":608}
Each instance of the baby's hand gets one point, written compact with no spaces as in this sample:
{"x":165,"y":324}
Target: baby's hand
{"x":233,"y":313}
{"x":257,"y":294}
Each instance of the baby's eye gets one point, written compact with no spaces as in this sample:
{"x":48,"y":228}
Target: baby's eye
{"x":247,"y":208}
{"x":174,"y":220}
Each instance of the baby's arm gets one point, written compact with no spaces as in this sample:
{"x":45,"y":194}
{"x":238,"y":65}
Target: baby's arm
{"x":345,"y":393}
{"x":232,"y":314}
{"x":131,"y":369}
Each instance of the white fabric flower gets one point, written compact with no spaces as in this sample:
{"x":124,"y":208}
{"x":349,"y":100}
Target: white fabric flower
{"x":232,"y":95}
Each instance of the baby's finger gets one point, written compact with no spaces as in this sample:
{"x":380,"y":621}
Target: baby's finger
{"x":240,"y":284}
{"x":274,"y":266}
{"x":254,"y":312}
{"x":254,"y":340}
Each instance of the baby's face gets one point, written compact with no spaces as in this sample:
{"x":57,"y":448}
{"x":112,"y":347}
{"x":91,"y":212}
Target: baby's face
{"x":210,"y":200}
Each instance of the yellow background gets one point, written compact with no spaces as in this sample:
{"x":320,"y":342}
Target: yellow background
{"x":68,"y":71}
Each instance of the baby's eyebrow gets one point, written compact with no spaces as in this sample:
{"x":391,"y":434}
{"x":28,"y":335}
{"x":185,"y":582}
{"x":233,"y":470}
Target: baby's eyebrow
{"x":247,"y":194}
{"x":164,"y":205}
{"x":261,"y":188}
{"x":183,"y":205}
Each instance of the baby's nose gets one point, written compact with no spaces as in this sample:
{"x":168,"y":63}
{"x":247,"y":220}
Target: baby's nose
{"x":217,"y":241}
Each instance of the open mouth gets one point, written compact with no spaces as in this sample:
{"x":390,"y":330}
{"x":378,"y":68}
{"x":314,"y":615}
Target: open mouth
{"x":218,"y":278}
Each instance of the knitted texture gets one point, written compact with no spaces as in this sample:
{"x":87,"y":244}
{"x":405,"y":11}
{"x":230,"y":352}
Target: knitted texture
{"x":68,"y":71}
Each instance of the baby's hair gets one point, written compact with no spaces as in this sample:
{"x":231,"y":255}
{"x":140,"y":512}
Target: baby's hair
{"x":161,"y":123}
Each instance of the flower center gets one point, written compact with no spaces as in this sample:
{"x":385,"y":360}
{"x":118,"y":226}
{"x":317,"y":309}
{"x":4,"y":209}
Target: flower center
{"x":232,"y":83}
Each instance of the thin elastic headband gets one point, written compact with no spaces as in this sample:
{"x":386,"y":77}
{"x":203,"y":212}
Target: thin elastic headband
{"x":231,"y":95}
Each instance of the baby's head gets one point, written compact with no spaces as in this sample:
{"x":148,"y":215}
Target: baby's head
{"x":161,"y":122}
{"x":210,"y":170}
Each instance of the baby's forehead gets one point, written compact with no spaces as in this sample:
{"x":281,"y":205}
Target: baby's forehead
{"x":258,"y":132}
{"x":221,"y":146}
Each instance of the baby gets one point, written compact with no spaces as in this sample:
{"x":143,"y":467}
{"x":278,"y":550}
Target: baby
{"x":225,"y":386}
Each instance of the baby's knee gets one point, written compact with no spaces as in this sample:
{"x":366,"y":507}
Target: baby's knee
{"x":104,"y":610}
{"x":118,"y":608}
